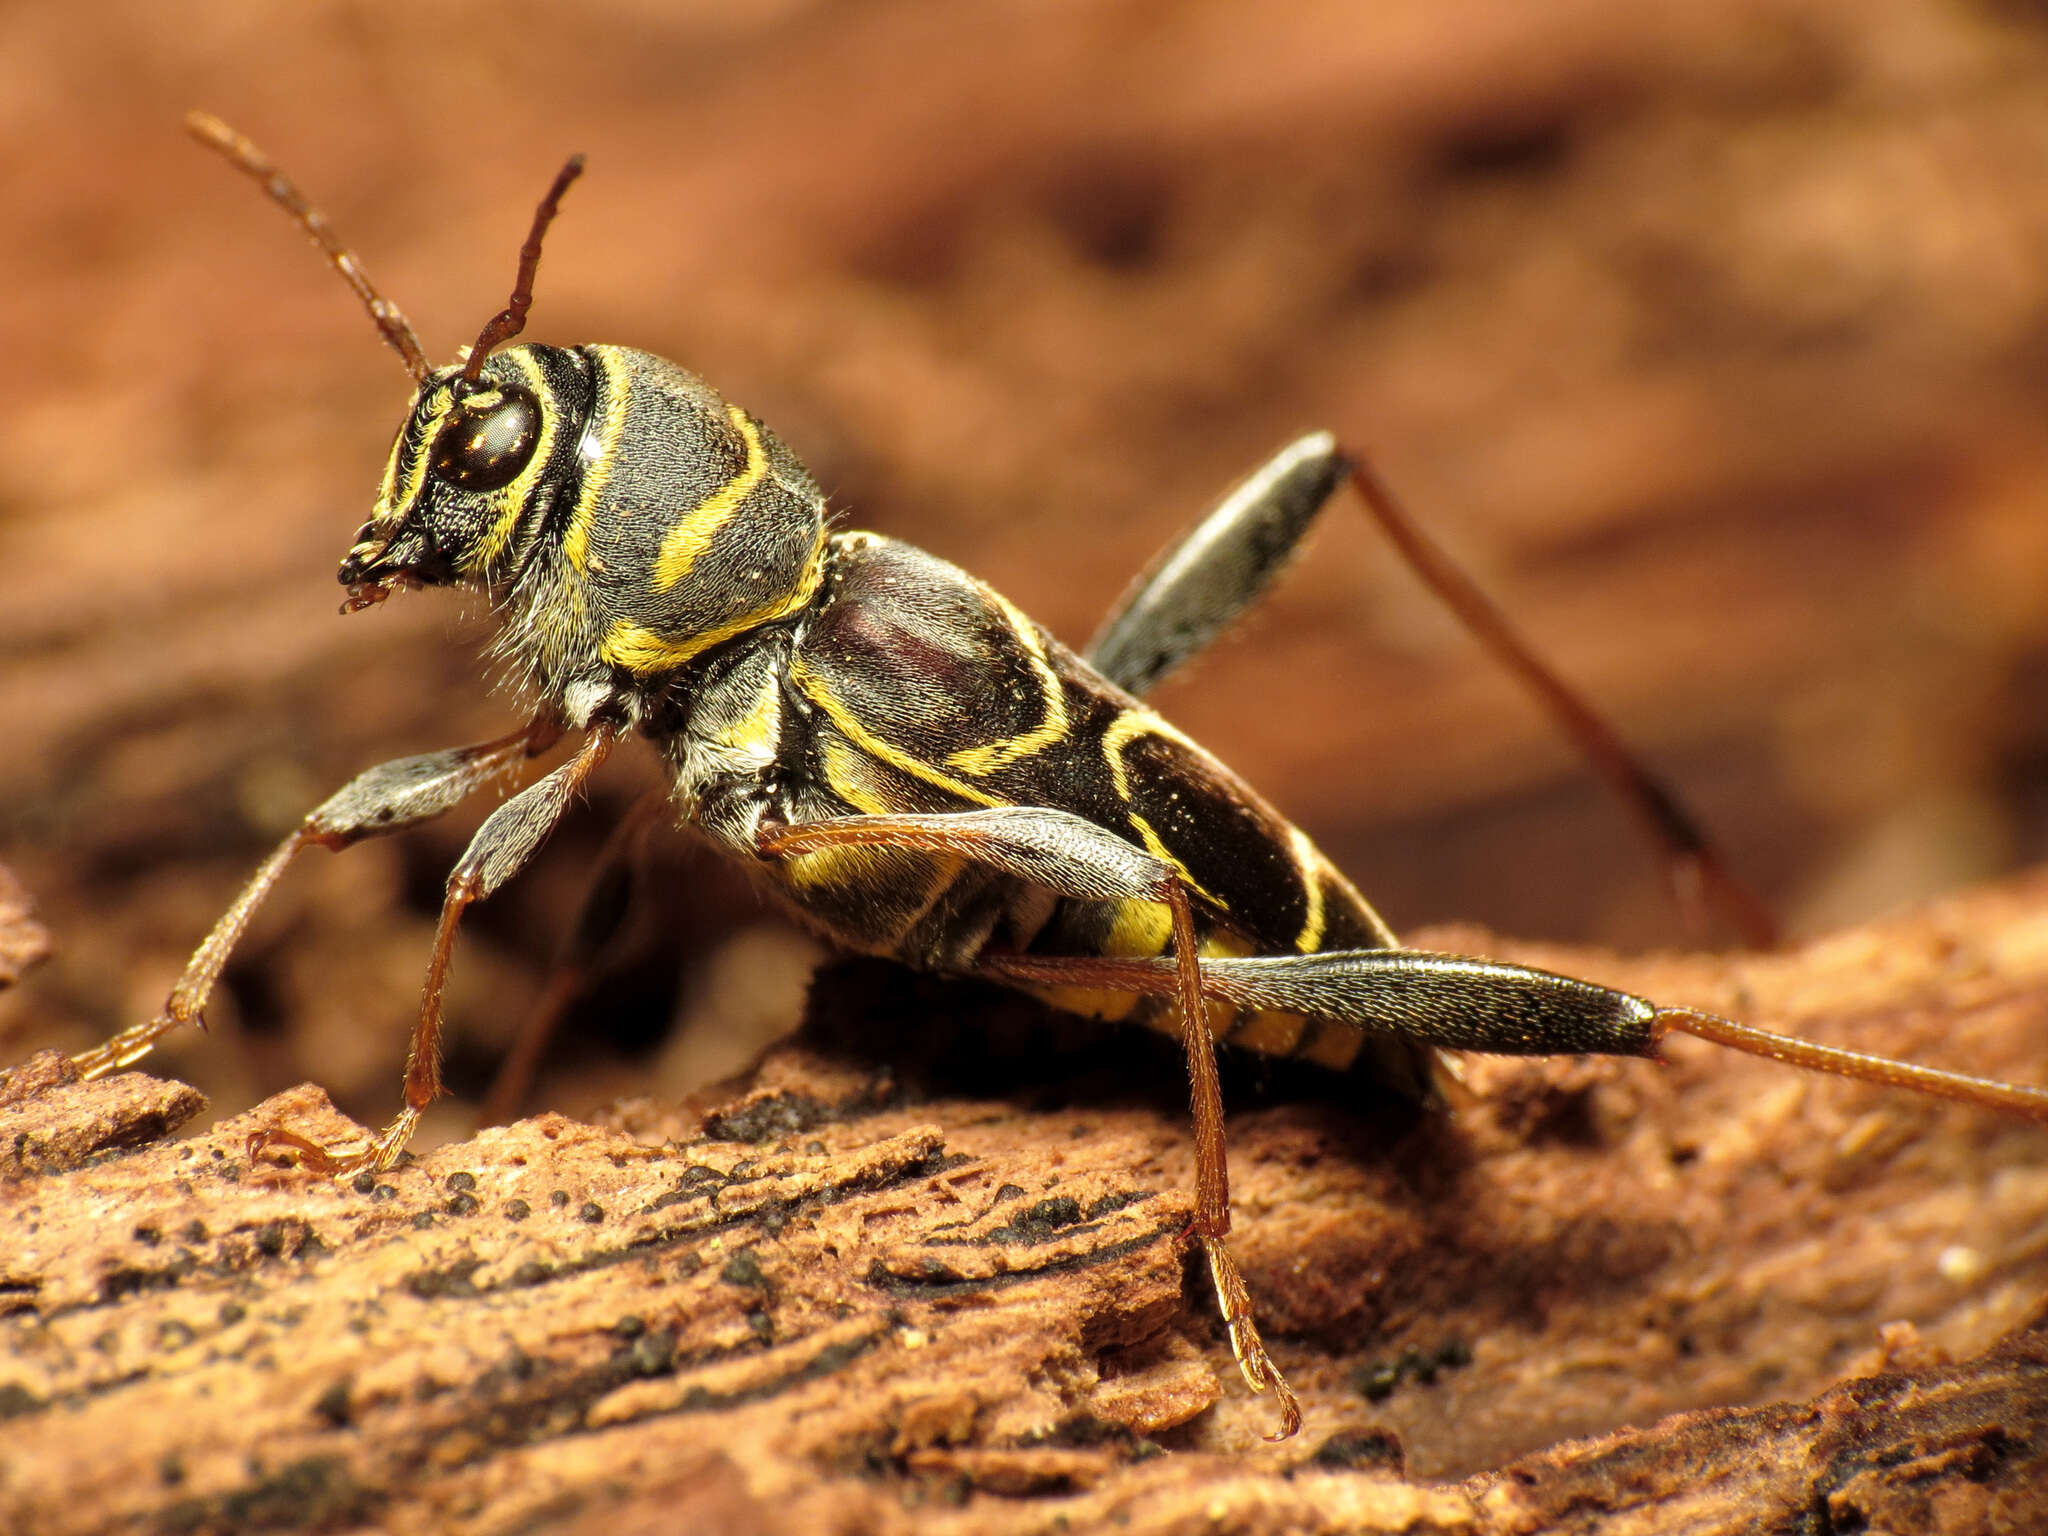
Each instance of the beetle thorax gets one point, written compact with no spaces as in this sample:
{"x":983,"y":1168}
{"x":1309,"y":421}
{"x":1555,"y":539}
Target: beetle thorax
{"x":623,"y":516}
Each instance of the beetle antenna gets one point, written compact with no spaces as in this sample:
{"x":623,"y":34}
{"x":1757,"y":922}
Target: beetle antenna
{"x":241,"y":152}
{"x":511,"y":320}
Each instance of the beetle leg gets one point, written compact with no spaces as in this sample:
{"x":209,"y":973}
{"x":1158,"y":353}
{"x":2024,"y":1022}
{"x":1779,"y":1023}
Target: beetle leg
{"x":1051,"y":848}
{"x":609,"y":895}
{"x":388,"y":798}
{"x":1068,"y":854}
{"x":1984,"y":1092}
{"x":1456,"y":1002}
{"x":594,"y":942}
{"x":1453,"y":1002}
{"x":508,"y":838}
{"x":1696,"y":870}
{"x":1212,"y":1170}
{"x":1195,"y":586}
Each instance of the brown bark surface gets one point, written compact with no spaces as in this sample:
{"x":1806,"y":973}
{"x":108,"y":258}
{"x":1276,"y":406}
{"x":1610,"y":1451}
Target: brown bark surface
{"x":24,"y":942}
{"x":922,"y":1271}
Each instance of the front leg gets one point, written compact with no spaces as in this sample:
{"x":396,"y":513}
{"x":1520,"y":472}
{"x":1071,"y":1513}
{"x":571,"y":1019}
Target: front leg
{"x":1065,"y":853}
{"x":595,"y":941}
{"x":388,"y":798}
{"x":502,"y":845}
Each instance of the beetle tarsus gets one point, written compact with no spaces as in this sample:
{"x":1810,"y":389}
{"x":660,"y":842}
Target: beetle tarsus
{"x":1234,"y":1300}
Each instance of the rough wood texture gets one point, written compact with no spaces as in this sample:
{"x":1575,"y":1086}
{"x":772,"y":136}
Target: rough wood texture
{"x":920,"y":1272}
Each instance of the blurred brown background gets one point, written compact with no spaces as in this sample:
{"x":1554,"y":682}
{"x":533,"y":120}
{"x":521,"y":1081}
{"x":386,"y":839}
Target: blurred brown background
{"x":1713,"y":335}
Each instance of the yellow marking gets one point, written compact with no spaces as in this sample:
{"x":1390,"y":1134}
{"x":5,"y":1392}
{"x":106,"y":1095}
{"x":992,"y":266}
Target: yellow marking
{"x":844,"y":777}
{"x":392,"y":502}
{"x":389,"y":482}
{"x":1332,"y":1046}
{"x":1140,"y":930}
{"x":756,"y":730}
{"x":1270,"y":1034}
{"x":596,"y":474}
{"x":639,"y":649}
{"x":829,"y":867}
{"x":878,"y":869}
{"x":1105,"y":1003}
{"x":849,"y":724}
{"x":1308,"y":863}
{"x":509,"y":505}
{"x":694,"y":531}
{"x":1123,"y":730}
{"x":1127,"y":728}
{"x":838,"y":866}
{"x":1156,"y":846}
{"x":989,"y":757}
{"x":894,"y":867}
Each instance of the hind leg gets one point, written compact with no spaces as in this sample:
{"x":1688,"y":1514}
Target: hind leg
{"x":1197,"y":585}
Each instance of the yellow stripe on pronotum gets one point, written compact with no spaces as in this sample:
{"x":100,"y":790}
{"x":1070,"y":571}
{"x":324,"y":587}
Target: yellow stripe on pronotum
{"x":1156,"y":846}
{"x":683,"y":544}
{"x":640,"y":650}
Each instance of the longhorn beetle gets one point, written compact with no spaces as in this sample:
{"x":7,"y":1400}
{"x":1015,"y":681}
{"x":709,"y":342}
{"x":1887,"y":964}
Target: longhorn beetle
{"x":911,"y":764}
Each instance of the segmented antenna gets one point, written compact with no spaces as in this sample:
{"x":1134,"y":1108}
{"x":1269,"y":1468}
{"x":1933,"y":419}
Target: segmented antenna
{"x":390,"y":320}
{"x":511,"y":320}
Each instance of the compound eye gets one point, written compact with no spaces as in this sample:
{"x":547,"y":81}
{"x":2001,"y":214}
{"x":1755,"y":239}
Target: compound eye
{"x":484,"y":444}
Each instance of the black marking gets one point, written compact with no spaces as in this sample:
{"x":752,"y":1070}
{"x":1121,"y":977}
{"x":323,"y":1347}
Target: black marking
{"x":1359,"y":1450}
{"x":769,"y":1119}
{"x":938,"y":1280}
{"x":316,"y":1493}
{"x":743,"y":1269}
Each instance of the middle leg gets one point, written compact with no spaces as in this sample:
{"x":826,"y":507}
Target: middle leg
{"x":1076,"y":858}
